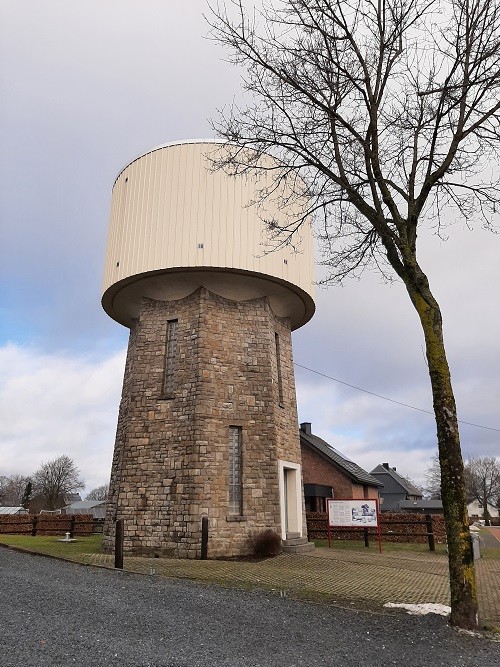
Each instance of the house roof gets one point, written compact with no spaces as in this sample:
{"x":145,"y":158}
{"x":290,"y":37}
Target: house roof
{"x":72,"y":497}
{"x":425,"y":505}
{"x":393,"y":482}
{"x":325,"y":450}
{"x":13,"y":510}
{"x":84,"y":504}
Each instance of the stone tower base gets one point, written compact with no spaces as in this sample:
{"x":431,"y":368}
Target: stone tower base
{"x":207,"y":427}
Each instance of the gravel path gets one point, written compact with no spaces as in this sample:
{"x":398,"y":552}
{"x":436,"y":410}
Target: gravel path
{"x":54,"y":613}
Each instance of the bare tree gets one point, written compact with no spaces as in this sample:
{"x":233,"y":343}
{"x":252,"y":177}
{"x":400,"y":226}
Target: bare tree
{"x":99,"y":493}
{"x":433,"y":479}
{"x":380,"y":115}
{"x":13,"y":490}
{"x":483,"y":482}
{"x":4,"y":480}
{"x":57,"y":478}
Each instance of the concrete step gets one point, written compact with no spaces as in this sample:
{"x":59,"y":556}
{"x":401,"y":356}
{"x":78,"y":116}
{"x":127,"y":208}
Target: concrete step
{"x":296,"y":545}
{"x":292,"y":536}
{"x":303,"y":548}
{"x":294,"y":541}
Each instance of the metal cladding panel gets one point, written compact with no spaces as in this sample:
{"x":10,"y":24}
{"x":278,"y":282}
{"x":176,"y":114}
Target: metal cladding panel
{"x":169,"y":211}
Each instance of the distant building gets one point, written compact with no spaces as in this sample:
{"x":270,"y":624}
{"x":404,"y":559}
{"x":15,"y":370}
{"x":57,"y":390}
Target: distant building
{"x":475,"y":510}
{"x":95,"y":507}
{"x":425,"y":506}
{"x":329,"y":474}
{"x":396,"y":489}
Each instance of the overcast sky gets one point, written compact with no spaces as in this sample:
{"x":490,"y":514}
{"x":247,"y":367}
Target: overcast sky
{"x":85,"y":87}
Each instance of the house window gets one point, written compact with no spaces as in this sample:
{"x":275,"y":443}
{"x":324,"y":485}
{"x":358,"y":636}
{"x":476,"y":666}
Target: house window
{"x":316,"y":497}
{"x":170,"y":355}
{"x":278,"y":367}
{"x":234,"y":471}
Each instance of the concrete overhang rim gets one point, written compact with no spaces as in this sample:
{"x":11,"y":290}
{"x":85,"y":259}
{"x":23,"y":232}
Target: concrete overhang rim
{"x":114,"y":289}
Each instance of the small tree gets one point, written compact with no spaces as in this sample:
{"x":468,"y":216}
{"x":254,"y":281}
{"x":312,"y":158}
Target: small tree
{"x":99,"y":493}
{"x":483,"y":482}
{"x":379,"y":115}
{"x":27,"y":493}
{"x":57,"y":478}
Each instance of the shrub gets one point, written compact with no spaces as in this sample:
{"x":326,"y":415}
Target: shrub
{"x":265,"y":543}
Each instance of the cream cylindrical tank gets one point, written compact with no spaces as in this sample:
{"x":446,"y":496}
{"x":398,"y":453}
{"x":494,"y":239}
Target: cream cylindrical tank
{"x":176,"y":225}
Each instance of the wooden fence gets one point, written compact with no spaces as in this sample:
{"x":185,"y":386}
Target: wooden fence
{"x":47,"y":524}
{"x":394,"y":527}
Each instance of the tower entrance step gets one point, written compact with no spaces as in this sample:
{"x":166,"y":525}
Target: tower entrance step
{"x":297,"y":545}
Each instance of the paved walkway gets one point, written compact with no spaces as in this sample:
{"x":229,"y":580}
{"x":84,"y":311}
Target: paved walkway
{"x":366,"y":580}
{"x":490,"y":536}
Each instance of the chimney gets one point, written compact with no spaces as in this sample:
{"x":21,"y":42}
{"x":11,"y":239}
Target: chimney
{"x":386,"y":466}
{"x":306,"y":427}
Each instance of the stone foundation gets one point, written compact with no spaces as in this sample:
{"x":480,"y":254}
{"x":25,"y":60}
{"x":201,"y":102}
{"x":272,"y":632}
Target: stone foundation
{"x":170,"y":464}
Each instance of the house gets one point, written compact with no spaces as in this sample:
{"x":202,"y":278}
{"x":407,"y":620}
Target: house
{"x":475,"y":510}
{"x":327,"y":473}
{"x":95,"y":507}
{"x":397,"y":489}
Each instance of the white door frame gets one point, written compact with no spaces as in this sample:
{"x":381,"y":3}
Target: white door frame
{"x":290,"y":497}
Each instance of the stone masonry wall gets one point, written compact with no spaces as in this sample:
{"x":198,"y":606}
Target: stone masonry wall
{"x":170,"y":465}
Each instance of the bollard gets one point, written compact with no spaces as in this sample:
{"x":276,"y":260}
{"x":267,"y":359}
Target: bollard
{"x":119,"y":544}
{"x":204,"y":538}
{"x":430,"y":532}
{"x":476,"y":551}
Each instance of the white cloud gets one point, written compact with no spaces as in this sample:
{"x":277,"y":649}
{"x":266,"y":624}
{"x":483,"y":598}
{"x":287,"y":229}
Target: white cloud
{"x":54,"y":404}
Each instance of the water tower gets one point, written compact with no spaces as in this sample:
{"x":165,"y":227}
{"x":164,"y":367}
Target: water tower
{"x":207,"y":424}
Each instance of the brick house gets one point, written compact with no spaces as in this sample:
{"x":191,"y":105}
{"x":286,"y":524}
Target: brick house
{"x":327,"y":473}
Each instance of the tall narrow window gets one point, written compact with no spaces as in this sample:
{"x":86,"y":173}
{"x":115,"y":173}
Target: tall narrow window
{"x":170,"y":355}
{"x":278,"y":367}
{"x":235,"y":477}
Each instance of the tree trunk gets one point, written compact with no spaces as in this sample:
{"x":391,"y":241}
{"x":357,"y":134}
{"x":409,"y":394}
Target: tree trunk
{"x":464,"y":609}
{"x":486,"y":514}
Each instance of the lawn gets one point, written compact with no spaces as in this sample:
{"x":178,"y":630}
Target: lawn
{"x":489,"y":553}
{"x":50,"y":545}
{"x":359,"y":545}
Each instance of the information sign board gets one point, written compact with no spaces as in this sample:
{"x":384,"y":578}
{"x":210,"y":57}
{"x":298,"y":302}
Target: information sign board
{"x":356,"y":513}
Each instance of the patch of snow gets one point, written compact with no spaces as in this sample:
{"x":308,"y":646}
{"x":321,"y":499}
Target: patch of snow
{"x":421,"y":609}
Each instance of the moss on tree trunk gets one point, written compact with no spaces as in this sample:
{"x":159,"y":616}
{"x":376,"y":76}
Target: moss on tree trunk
{"x":464,"y":608}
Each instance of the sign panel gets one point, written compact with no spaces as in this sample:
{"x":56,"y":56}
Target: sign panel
{"x":355,"y":513}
